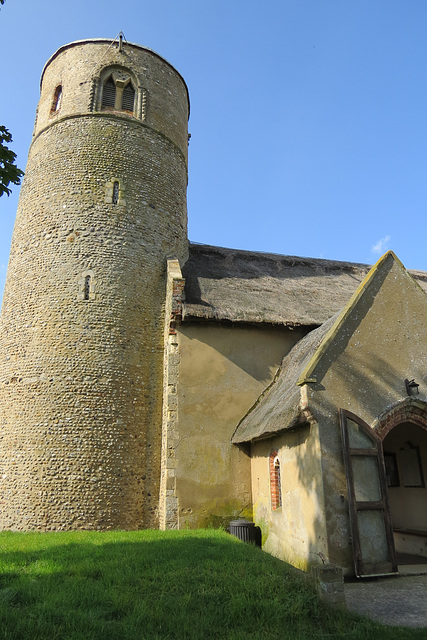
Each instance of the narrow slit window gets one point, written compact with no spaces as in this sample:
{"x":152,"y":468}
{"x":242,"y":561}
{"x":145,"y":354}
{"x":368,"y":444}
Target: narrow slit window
{"x":128,"y":99}
{"x":116,"y":192}
{"x":109,"y":94}
{"x":86,"y":289}
{"x":57,"y":99}
{"x":277,"y":474}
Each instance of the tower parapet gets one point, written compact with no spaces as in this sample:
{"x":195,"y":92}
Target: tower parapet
{"x":102,"y":206}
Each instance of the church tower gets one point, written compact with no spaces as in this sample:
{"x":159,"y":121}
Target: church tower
{"x":103,"y":204}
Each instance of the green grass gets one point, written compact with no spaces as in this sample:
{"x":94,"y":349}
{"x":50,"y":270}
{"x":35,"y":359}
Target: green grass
{"x":156,"y":585}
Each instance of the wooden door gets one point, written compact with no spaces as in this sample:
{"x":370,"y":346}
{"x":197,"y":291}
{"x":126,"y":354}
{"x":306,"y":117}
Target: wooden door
{"x":370,"y":521}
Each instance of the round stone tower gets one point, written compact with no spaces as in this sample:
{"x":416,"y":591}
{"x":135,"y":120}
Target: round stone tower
{"x":103,"y":204}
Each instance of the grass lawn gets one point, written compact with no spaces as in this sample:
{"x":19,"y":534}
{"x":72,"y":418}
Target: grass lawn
{"x":155,"y":585}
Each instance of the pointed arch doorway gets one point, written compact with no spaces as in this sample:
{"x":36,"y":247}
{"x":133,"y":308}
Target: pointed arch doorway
{"x":377,"y":461}
{"x":403,"y":432}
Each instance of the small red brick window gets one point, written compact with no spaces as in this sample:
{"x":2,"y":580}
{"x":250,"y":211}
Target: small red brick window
{"x":275,"y":485}
{"x":57,"y":99}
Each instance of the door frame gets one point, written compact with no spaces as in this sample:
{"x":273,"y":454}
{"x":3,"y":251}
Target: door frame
{"x":364,"y":568}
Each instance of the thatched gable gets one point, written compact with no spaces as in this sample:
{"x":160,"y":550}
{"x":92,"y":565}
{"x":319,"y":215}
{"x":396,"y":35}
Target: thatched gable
{"x":245,"y":286}
{"x":279,"y":407}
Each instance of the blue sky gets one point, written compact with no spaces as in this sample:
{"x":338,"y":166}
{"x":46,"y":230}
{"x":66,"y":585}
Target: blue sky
{"x":308,"y":117}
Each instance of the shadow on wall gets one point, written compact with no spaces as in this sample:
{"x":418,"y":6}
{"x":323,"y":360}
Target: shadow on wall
{"x":255,"y":350}
{"x":368,"y":388}
{"x":295,"y":532}
{"x":309,"y":503}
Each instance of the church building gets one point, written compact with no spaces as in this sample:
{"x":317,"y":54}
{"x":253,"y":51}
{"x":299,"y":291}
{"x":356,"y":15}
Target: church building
{"x":150,"y":382}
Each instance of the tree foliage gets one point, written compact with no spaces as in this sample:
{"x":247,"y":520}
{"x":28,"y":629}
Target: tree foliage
{"x":9,"y":172}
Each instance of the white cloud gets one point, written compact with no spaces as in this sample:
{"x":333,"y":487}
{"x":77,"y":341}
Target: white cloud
{"x":381,"y":246}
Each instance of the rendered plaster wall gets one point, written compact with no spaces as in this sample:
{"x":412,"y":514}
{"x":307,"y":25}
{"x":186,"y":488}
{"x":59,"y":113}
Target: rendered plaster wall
{"x":408,"y":504}
{"x":296,"y":531}
{"x":336,"y":500}
{"x":81,"y":380}
{"x":382,"y":342}
{"x":222,"y":371}
{"x":409,"y":543}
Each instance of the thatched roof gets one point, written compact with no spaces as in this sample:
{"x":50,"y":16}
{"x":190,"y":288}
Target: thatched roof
{"x":245,"y":286}
{"x":278,"y":408}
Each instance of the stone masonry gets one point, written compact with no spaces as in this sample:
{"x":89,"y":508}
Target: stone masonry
{"x":82,"y":323}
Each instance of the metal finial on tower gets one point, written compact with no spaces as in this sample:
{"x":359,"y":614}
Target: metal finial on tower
{"x":120,"y":37}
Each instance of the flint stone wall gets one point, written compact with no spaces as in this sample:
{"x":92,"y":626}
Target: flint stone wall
{"x":81,"y":379}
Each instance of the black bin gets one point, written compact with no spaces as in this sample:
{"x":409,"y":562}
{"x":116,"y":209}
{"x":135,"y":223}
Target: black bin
{"x":243,"y":529}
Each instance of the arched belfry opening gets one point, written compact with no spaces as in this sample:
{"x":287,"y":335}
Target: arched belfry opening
{"x":109,"y":94}
{"x":128,"y":100}
{"x":118,"y":92}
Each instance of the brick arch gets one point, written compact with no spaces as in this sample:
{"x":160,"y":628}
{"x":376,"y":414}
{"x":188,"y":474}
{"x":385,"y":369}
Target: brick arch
{"x":275,"y":482}
{"x":409,"y":410}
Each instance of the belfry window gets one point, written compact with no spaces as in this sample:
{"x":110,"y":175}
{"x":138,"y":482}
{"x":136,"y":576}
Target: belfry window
{"x":128,"y":98}
{"x":117,"y":92}
{"x":57,"y":99}
{"x":109,"y":94}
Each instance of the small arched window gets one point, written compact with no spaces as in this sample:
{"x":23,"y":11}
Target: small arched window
{"x":115,"y":192}
{"x":57,"y":99}
{"x":109,"y":94}
{"x":86,"y":286}
{"x":128,"y":100}
{"x":275,"y":482}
